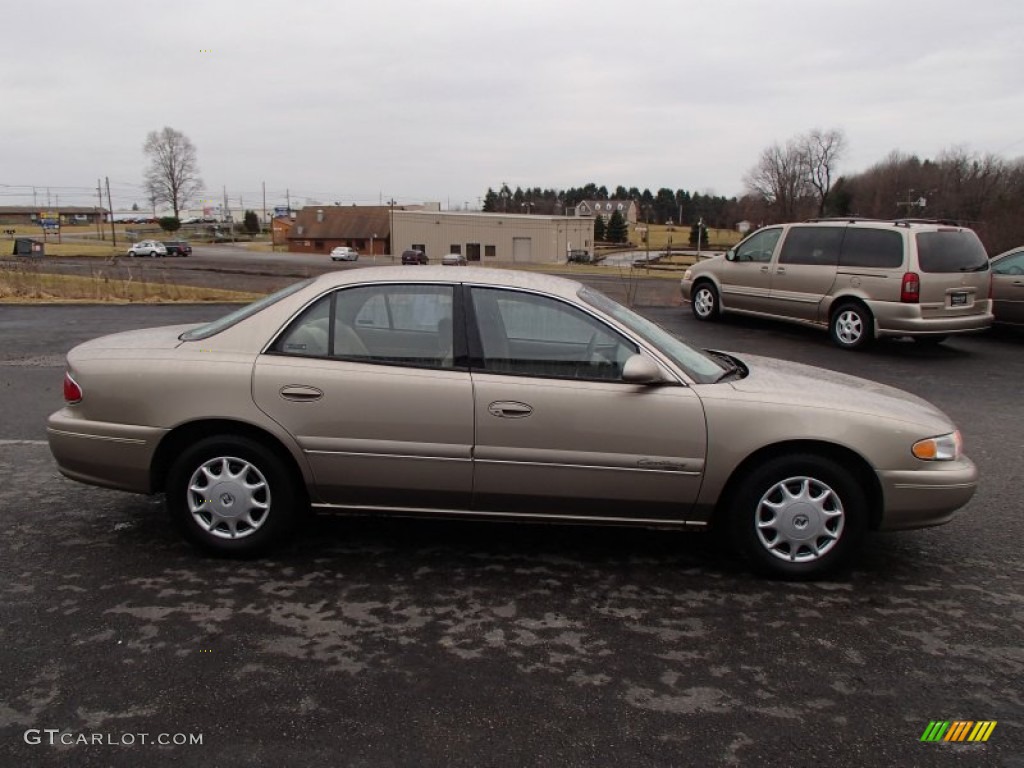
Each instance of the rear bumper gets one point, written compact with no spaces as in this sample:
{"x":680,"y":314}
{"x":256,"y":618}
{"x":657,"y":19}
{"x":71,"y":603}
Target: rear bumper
{"x":922,"y":498}
{"x":893,"y":319}
{"x":99,"y":453}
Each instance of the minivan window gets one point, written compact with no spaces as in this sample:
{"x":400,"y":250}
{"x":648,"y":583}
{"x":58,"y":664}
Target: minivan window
{"x":951,"y":250}
{"x":759,"y":246}
{"x":818,"y":246}
{"x":878,"y":248}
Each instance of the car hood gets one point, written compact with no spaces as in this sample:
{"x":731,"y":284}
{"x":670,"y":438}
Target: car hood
{"x":164,"y":337}
{"x":780,"y":381}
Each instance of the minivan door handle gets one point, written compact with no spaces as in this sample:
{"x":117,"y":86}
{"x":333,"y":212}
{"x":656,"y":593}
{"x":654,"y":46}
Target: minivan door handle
{"x":764,"y":269}
{"x":780,"y":271}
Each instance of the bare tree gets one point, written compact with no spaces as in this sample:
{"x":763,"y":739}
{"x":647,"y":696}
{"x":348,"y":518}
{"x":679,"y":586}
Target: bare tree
{"x":173,"y":173}
{"x":779,"y":179}
{"x":821,"y":152}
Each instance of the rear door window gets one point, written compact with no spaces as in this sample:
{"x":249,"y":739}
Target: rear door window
{"x":818,"y":246}
{"x":878,"y":248}
{"x":951,"y":250}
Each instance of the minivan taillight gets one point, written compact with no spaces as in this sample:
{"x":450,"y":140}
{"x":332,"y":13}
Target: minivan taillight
{"x":910,"y":289}
{"x":72,"y":392}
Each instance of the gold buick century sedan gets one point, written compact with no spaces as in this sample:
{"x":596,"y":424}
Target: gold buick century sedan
{"x":498,"y":395}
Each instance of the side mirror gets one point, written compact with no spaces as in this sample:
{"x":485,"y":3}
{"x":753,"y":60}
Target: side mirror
{"x":642,"y":370}
{"x":730,"y":255}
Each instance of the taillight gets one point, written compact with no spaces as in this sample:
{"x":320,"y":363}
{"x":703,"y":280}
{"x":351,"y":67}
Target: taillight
{"x":72,"y":392}
{"x":910,"y":290}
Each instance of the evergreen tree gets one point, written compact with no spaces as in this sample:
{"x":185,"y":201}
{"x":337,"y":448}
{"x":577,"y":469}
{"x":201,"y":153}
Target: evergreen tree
{"x":618,"y":230}
{"x":599,"y":229}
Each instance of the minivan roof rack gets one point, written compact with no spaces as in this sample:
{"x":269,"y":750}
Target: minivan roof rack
{"x":946,"y":222}
{"x":850,"y":219}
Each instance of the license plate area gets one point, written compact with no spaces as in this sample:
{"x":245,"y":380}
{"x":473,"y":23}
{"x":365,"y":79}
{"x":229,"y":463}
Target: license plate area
{"x":958,"y":299}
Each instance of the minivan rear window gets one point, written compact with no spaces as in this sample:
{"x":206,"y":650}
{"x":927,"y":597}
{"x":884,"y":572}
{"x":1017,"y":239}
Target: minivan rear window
{"x":878,"y":248}
{"x":951,"y":250}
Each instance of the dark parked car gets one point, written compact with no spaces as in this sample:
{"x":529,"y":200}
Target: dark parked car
{"x":413,"y":256}
{"x":177,"y":248}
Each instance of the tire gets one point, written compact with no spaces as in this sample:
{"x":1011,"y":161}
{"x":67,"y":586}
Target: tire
{"x":851,"y":326}
{"x":798,"y":516}
{"x":704,"y":302}
{"x":131,"y":254}
{"x":253,"y":502}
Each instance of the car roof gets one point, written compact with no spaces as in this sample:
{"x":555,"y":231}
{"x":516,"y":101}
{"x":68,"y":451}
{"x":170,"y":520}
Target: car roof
{"x":511,"y":278}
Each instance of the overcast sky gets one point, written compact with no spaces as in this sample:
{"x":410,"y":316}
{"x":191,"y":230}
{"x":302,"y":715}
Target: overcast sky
{"x":441,"y":99}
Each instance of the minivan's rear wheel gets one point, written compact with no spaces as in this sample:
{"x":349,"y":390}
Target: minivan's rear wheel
{"x":232,"y":496}
{"x":798,"y":516}
{"x":851,"y":326}
{"x":705,"y":301}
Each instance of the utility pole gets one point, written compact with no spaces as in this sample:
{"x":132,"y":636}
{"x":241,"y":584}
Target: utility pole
{"x":288,"y":197}
{"x":99,"y":212}
{"x":264,"y":202}
{"x":227,"y":211}
{"x":113,"y":231}
{"x":47,"y":197}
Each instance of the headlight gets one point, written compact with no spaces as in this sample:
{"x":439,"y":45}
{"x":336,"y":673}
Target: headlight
{"x":688,"y":274}
{"x":941,"y":448}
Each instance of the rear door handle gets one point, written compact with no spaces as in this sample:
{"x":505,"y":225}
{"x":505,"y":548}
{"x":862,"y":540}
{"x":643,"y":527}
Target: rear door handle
{"x":780,"y":271}
{"x":300,"y":393}
{"x":509,"y":409}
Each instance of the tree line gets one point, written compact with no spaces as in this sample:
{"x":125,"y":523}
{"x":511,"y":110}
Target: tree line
{"x":799,"y":179}
{"x":665,"y":206}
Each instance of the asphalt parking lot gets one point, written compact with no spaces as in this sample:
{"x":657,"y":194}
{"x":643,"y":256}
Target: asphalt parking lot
{"x":407,"y":643}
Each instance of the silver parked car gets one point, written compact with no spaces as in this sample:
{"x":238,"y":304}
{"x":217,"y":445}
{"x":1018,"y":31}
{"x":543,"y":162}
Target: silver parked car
{"x":1008,"y":287}
{"x":498,"y":395}
{"x":148,"y":248}
{"x":344,"y":253}
{"x":861,"y":279}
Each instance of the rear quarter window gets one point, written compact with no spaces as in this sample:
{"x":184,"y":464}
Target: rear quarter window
{"x":951,"y":250}
{"x":878,"y":248}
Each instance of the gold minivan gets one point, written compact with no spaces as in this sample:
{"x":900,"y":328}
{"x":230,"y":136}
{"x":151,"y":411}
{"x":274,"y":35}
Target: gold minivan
{"x":860,"y":278}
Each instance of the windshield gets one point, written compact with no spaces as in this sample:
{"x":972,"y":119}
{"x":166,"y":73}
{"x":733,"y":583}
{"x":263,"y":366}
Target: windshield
{"x":208,"y":330}
{"x":699,"y":366}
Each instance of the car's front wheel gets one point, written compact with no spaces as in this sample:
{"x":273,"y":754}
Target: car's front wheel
{"x":705,"y":302}
{"x":798,"y":516}
{"x":231,"y":495}
{"x":131,"y":254}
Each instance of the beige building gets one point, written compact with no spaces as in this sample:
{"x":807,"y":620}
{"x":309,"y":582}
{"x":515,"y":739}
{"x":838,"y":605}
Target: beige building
{"x":492,"y":236}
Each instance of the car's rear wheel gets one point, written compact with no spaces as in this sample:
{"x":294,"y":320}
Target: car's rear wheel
{"x":231,"y":495}
{"x":705,"y":302}
{"x":131,"y":254}
{"x":851,"y":326}
{"x":798,"y":516}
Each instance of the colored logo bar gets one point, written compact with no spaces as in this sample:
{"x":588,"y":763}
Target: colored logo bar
{"x":958,"y":730}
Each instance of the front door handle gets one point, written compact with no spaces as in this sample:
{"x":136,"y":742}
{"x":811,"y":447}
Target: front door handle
{"x":509,"y":409}
{"x":764,"y":269}
{"x":300,"y":393}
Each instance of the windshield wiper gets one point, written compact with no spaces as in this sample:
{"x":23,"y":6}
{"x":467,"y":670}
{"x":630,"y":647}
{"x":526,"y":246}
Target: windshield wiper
{"x":731,"y":366}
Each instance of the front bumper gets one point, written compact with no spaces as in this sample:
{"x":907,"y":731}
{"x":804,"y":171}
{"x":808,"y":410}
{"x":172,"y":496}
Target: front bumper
{"x":100,"y":453}
{"x":925,"y":497}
